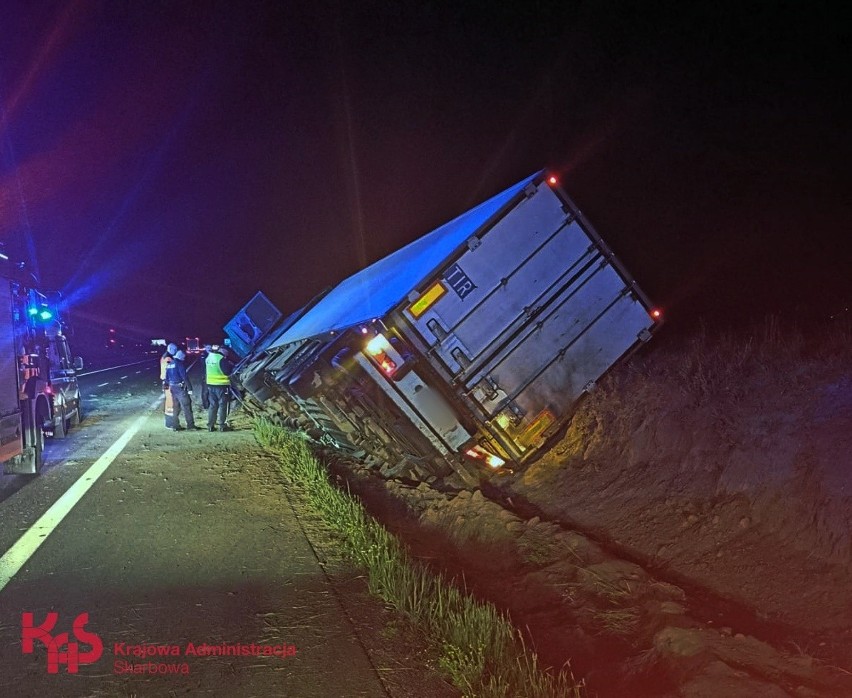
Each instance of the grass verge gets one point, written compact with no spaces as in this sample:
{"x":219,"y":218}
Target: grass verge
{"x":477,"y":646}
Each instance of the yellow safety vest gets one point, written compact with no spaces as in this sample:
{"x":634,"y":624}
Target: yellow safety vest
{"x":213,"y":372}
{"x":164,"y":364}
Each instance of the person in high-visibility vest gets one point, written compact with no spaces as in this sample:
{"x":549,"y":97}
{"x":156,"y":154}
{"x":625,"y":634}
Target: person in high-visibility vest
{"x":217,"y":369}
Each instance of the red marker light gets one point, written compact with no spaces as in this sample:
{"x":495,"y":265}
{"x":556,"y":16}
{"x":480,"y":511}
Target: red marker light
{"x":656,"y":314}
{"x":552,"y":180}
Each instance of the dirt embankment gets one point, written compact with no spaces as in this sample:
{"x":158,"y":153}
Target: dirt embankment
{"x":693,"y":527}
{"x":625,"y":630}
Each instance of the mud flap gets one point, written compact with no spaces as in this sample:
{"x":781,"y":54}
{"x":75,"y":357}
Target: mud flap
{"x":28,"y":462}
{"x":60,"y":422}
{"x":169,"y":409}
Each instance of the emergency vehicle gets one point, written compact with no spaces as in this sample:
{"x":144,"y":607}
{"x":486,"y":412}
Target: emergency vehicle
{"x":39,"y":392}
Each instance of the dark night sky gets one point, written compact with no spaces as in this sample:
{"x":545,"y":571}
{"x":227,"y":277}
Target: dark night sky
{"x":167,"y":160}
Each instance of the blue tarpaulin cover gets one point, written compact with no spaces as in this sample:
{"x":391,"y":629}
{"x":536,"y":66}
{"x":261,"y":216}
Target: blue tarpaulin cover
{"x":373,"y":291}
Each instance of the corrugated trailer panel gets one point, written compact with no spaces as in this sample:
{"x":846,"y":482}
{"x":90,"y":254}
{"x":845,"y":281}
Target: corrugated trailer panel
{"x":490,"y":287}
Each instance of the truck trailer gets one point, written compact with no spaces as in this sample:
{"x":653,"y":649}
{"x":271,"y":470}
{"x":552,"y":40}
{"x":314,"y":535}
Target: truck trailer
{"x":463,"y":352}
{"x":39,"y":393}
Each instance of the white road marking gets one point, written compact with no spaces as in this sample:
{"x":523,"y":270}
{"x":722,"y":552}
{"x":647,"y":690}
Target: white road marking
{"x":138,"y":372}
{"x":123,"y":377}
{"x":114,"y":368}
{"x":20,"y":553}
{"x":101,"y":385}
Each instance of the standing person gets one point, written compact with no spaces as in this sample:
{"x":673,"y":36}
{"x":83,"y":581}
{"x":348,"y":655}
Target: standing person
{"x":169,"y":406}
{"x":217,"y":368}
{"x":181,"y":390}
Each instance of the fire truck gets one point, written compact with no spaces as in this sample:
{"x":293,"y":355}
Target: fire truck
{"x":466,"y":351}
{"x":39,"y":392}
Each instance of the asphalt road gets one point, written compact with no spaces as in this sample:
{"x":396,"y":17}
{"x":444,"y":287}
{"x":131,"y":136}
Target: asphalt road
{"x":183,"y":542}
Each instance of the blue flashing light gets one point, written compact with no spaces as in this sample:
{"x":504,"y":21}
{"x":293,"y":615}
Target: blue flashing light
{"x":32,"y":311}
{"x":45,"y":315}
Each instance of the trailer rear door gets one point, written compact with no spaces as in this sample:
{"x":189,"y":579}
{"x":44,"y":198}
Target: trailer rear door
{"x":532,"y":313}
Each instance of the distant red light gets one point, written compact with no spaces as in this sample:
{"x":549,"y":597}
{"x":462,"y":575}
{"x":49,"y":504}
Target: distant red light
{"x":552,"y":180}
{"x":656,"y":314}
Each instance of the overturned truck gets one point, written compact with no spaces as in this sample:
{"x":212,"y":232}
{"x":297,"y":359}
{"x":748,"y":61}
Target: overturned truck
{"x":462,"y":353}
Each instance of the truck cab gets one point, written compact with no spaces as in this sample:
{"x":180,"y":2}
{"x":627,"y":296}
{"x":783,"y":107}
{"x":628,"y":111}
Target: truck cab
{"x":65,"y":399}
{"x":39,"y":392}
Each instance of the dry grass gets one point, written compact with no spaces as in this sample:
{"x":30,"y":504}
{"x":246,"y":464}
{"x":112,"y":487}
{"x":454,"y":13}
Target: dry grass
{"x":478,"y":648}
{"x":719,"y":377}
{"x":727,"y":365}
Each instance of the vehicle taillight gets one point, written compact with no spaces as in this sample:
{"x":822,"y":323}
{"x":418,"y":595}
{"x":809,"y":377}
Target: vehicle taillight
{"x":379,"y":348}
{"x":479,"y":453}
{"x":552,"y":181}
{"x":656,"y":313}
